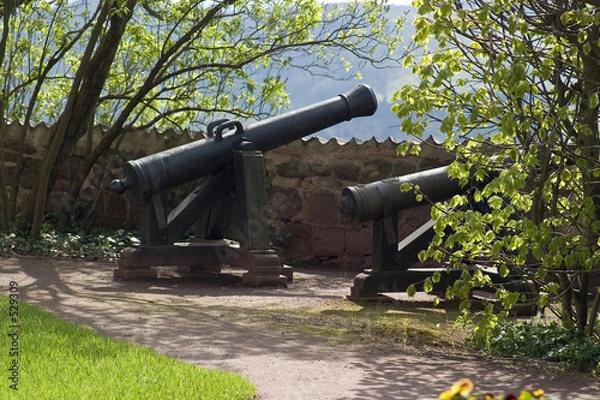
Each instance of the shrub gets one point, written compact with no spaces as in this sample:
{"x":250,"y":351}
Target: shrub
{"x":69,"y":243}
{"x":544,"y":341}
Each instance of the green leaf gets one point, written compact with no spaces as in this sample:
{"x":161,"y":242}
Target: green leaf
{"x":465,"y":304}
{"x":428,"y":285}
{"x":594,"y":100}
{"x":543,"y":300}
{"x":406,"y":187}
{"x":552,"y":287}
{"x":436,"y":213}
{"x":411,"y":290}
{"x":403,"y":148}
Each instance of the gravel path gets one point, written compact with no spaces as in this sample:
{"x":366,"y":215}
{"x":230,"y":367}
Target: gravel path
{"x":205,"y":323}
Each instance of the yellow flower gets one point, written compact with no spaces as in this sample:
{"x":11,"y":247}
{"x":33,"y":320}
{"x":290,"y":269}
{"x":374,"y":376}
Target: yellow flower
{"x":462,"y":387}
{"x":539,"y":394}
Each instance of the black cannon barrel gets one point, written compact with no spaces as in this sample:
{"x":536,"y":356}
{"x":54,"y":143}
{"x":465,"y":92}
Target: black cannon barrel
{"x":381,"y":198}
{"x":182,"y":164}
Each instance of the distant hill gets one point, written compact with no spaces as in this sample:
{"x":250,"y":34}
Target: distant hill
{"x":305,"y":89}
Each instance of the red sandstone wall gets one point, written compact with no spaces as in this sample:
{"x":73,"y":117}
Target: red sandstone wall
{"x":305,"y":181}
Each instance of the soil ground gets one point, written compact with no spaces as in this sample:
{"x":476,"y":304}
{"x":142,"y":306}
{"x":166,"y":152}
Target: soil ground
{"x":209,"y":323}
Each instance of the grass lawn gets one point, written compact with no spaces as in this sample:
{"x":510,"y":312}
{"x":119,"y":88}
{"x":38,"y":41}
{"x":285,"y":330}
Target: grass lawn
{"x":377,"y":325}
{"x":60,"y":360}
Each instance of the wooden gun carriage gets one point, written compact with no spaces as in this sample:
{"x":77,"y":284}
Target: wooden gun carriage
{"x":232,"y":195}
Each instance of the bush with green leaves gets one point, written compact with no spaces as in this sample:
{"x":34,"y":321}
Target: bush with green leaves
{"x":543,"y":341}
{"x":95,"y":244}
{"x":511,"y":88}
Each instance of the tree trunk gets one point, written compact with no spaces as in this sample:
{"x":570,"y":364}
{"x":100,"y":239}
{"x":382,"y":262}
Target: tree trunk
{"x":594,"y":313}
{"x":87,"y":87}
{"x":565,"y":300}
{"x":118,"y":128}
{"x":4,"y":195}
{"x":588,"y":144}
{"x":580,"y":295}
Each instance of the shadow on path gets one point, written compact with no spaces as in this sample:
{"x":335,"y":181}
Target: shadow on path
{"x":213,"y":324}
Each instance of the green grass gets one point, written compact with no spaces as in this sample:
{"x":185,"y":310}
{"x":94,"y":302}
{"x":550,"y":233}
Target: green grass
{"x":377,"y":325}
{"x":60,"y":360}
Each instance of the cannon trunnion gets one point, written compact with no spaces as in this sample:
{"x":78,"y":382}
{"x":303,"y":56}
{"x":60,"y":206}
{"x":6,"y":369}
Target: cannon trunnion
{"x":231,"y":197}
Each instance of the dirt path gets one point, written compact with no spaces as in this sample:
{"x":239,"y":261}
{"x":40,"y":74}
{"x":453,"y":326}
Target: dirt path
{"x":205,"y":323}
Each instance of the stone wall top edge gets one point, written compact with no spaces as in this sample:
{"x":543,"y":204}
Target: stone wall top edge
{"x":191,"y":133}
{"x":178,"y":137}
{"x":32,"y":124}
{"x":104,"y":128}
{"x":371,"y":141}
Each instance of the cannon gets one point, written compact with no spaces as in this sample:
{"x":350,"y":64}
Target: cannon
{"x":382,"y":198}
{"x":396,"y":264}
{"x":230,"y":198}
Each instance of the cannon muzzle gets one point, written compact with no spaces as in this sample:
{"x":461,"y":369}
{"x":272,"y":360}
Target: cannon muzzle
{"x":381,"y":198}
{"x":361,"y":101}
{"x":186,"y":163}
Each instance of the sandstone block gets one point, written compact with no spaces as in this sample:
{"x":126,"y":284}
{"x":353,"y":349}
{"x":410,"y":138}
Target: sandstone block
{"x":283,"y":203}
{"x":347,"y":171}
{"x":302,"y":169}
{"x":328,"y":242}
{"x":321,"y":209}
{"x":359,"y":242}
{"x":375,"y":169}
{"x":295,"y":239}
